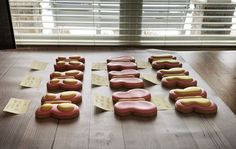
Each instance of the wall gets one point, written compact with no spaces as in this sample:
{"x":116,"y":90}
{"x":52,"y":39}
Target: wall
{"x":7,"y":40}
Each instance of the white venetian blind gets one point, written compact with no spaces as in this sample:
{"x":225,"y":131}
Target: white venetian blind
{"x":124,"y":22}
{"x":65,"y":22}
{"x":188,"y":22}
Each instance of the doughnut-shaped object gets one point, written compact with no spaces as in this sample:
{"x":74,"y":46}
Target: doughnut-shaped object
{"x":121,"y":59}
{"x":137,"y":108}
{"x":124,"y":73}
{"x":118,"y":66}
{"x":72,"y":96}
{"x":177,"y":71}
{"x":198,"y":105}
{"x":126,"y":83}
{"x":58,"y":111}
{"x":178,"y":82}
{"x":70,"y":65}
{"x":160,"y":57}
{"x":166,"y":64}
{"x":174,"y":94}
{"x":71,"y":58}
{"x":76,"y":74}
{"x":132,"y":94}
{"x":64,"y":84}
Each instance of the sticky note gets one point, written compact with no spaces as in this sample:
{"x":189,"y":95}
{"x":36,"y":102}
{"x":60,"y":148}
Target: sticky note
{"x":103,"y":102}
{"x":99,"y":80}
{"x":161,"y":103}
{"x":99,"y":66}
{"x":31,"y":81}
{"x":150,"y":77}
{"x":17,"y":106}
{"x":143,"y":64}
{"x":38,"y":65}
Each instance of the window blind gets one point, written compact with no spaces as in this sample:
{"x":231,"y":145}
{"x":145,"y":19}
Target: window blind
{"x":124,"y":22}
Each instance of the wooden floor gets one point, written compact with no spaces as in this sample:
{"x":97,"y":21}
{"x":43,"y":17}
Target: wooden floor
{"x":215,"y":72}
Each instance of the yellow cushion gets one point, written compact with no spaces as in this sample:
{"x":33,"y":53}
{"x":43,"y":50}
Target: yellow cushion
{"x":68,"y":94}
{"x":196,"y":101}
{"x":188,"y":90}
{"x":187,"y":78}
{"x":124,"y":76}
{"x":65,"y":107}
{"x":72,"y":72}
{"x":70,"y":81}
{"x":75,"y":57}
{"x":57,"y":101}
{"x":75,"y":63}
{"x":161,"y":56}
{"x":61,"y":57}
{"x":56,"y":74}
{"x":167,"y":61}
{"x":46,"y":107}
{"x":50,"y":96}
{"x":174,"y":74}
{"x":61,"y":62}
{"x":172,"y":69}
{"x":54,"y":81}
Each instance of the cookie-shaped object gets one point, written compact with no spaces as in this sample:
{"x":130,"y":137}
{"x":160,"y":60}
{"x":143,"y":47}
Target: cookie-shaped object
{"x":72,"y":96}
{"x":199,"y":105}
{"x":178,"y":82}
{"x":118,"y":66}
{"x":160,"y":57}
{"x":58,"y":111}
{"x":174,"y":94}
{"x":126,"y":83}
{"x":132,"y":94}
{"x":64,"y":84}
{"x":137,"y":108}
{"x":76,"y":74}
{"x":172,"y":72}
{"x":124,"y":73}
{"x":166,"y":64}
{"x":71,"y":58}
{"x":121,"y":59}
{"x":71,"y":65}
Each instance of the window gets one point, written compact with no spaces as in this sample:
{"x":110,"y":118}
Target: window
{"x":124,"y":22}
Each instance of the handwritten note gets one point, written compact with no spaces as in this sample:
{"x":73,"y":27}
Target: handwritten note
{"x":103,"y":102}
{"x":151,"y":78}
{"x":161,"y":103}
{"x":38,"y":65}
{"x":99,"y":66}
{"x":99,"y":80}
{"x":31,"y":81}
{"x":143,"y":64}
{"x":17,"y":106}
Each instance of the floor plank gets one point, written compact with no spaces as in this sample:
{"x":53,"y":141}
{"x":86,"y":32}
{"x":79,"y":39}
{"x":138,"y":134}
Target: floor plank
{"x":23,"y":131}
